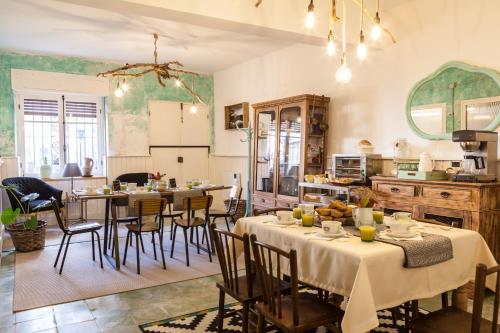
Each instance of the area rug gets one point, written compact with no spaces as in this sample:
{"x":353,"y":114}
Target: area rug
{"x":37,"y":282}
{"x":206,"y":321}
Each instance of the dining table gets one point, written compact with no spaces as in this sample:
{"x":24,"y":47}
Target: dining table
{"x":370,"y":275}
{"x":83,"y":196}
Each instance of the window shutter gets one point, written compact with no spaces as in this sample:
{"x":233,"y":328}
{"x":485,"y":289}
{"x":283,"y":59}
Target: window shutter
{"x":81,"y":109}
{"x":40,"y":107}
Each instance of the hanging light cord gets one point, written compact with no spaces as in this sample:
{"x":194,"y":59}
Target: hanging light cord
{"x":344,"y":18}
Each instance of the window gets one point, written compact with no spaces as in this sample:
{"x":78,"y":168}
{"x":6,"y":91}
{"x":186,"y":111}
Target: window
{"x":59,"y":128}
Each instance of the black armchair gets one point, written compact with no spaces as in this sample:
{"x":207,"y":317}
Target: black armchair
{"x":138,"y":177}
{"x":27,"y":185}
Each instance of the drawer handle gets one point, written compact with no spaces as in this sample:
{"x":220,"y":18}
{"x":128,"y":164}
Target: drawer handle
{"x":445,"y":195}
{"x":395,"y":190}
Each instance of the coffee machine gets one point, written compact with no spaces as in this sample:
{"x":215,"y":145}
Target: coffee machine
{"x":480,"y":155}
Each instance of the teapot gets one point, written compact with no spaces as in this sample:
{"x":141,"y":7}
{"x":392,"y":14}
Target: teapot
{"x":426,"y":163}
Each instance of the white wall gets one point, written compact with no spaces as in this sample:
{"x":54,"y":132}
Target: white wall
{"x":428,"y":32}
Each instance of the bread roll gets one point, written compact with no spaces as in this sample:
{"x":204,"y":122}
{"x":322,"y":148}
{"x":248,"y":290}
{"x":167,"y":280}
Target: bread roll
{"x":338,"y":205}
{"x":336,"y":213}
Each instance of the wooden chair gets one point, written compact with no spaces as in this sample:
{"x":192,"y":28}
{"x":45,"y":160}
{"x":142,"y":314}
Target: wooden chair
{"x":89,"y":227}
{"x":146,"y":207}
{"x":454,"y":320}
{"x":191,"y":205}
{"x":257,"y":212}
{"x":232,"y":207}
{"x":297,"y":312}
{"x":171,"y":214}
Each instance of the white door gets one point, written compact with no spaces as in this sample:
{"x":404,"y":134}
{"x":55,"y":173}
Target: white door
{"x":172,"y":124}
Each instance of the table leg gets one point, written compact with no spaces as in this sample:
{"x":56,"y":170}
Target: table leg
{"x":106,"y":226}
{"x":115,"y":239}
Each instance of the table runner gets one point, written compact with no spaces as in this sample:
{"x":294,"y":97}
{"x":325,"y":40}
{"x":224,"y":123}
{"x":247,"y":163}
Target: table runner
{"x":432,"y":250}
{"x":371,"y":274}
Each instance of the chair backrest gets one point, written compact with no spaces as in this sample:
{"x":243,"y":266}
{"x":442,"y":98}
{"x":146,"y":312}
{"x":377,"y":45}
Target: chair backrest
{"x":257,"y":212}
{"x":28,"y":185}
{"x":57,"y":213}
{"x":135,"y":177}
{"x":480,"y":283}
{"x":234,"y":199}
{"x":268,"y":264}
{"x":227,"y":246}
{"x":191,"y":204}
{"x":149,"y":207}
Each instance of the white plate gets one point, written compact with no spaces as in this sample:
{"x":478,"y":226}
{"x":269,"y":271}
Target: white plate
{"x":289,"y":222}
{"x":339,"y":234}
{"x":410,"y":234}
{"x":389,"y":222}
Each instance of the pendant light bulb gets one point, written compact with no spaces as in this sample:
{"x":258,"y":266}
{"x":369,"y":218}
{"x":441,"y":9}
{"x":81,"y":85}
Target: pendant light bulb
{"x":177,"y":82}
{"x":119,"y":92}
{"x":362,"y":49}
{"x":193,"y":109}
{"x":331,"y":48}
{"x":124,"y":87}
{"x":376,"y":29}
{"x":343,"y":74}
{"x":310,"y":16}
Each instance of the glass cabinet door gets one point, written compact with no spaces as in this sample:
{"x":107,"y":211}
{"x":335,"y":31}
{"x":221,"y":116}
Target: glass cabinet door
{"x":315,"y":149}
{"x":289,"y":150}
{"x":265,"y":151}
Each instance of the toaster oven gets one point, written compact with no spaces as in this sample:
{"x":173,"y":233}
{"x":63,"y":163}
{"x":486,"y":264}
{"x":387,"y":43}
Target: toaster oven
{"x":358,"y":167}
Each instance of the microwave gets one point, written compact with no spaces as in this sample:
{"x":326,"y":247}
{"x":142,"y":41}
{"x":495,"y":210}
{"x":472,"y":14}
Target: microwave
{"x":358,"y":167}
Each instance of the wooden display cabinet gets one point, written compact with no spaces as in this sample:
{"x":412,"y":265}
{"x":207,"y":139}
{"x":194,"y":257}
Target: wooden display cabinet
{"x":289,"y":142}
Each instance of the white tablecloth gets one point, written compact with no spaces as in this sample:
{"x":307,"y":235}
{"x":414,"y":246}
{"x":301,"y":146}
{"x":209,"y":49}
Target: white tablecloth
{"x":371,"y":274}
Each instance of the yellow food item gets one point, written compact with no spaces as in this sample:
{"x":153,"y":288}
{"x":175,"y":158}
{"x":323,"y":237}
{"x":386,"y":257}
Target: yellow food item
{"x":338,"y":205}
{"x":326,"y":218}
{"x":336,"y":213}
{"x":312,"y":198}
{"x":347,"y":212}
{"x":323,"y":211}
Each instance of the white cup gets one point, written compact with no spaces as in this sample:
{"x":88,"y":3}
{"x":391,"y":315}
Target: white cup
{"x":402,"y":216}
{"x":331,"y":227}
{"x":284,"y":216}
{"x":131,"y":187}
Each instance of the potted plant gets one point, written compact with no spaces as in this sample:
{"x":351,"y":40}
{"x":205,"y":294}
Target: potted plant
{"x":364,"y":199}
{"x":26,"y":230}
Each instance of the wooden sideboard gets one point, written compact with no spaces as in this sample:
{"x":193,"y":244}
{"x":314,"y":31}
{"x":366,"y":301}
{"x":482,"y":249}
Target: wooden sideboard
{"x":475,"y":205}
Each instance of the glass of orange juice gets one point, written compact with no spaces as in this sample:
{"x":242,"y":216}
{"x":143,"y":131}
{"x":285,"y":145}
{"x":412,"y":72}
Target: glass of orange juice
{"x":307,"y":220}
{"x":367,"y":233}
{"x":378,"y":216}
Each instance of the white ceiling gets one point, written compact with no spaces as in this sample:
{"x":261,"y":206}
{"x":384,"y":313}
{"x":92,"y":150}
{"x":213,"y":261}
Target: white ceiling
{"x":66,"y":29}
{"x":203,"y":38}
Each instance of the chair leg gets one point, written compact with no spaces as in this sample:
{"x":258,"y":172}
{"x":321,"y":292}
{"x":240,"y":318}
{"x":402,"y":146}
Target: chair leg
{"x":186,"y":245}
{"x":220,"y":315}
{"x":171,"y":228}
{"x":227,"y":223}
{"x":137,"y":238}
{"x":93,"y":246}
{"x":153,"y":241}
{"x":60,"y":248}
{"x":260,"y":324}
{"x":110,"y":237}
{"x":160,"y":236}
{"x":245,"y":317}
{"x":173,"y":243}
{"x":197,"y":241}
{"x":142,"y":243}
{"x":64,"y":256}
{"x":209,"y":243}
{"x":126,"y":247}
{"x":99,"y":247}
{"x":444,"y":300}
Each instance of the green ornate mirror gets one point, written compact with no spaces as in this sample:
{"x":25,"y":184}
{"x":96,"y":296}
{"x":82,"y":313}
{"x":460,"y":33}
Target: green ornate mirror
{"x":456,"y":96}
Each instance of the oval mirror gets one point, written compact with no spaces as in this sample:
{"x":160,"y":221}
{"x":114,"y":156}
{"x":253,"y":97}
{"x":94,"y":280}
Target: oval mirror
{"x":456,"y":96}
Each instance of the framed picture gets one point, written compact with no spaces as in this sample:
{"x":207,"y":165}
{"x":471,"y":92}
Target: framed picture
{"x":236,"y":116}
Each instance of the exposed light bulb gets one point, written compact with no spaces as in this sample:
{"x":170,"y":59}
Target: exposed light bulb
{"x":118,"y":92}
{"x":343,"y":74}
{"x":310,"y":15}
{"x":362,"y":49}
{"x":193,"y":109}
{"x":177,"y":82}
{"x":376,"y":29}
{"x":331,"y":48}
{"x":124,"y":87}
{"x":299,"y":119}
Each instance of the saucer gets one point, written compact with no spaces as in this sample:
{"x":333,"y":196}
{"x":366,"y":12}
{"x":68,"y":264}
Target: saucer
{"x":288,"y":222}
{"x":409,"y":234}
{"x":341,"y":233}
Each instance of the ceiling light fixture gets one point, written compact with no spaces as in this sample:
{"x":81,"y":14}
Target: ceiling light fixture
{"x":118,"y":90}
{"x":330,"y":46}
{"x":124,"y":86}
{"x":376,"y":29}
{"x":362,"y":49}
{"x":193,"y":108}
{"x":164,"y":71}
{"x":343,"y":74}
{"x":310,"y":15}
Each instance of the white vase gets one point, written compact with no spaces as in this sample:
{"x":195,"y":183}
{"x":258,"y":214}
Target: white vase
{"x":362,"y":216}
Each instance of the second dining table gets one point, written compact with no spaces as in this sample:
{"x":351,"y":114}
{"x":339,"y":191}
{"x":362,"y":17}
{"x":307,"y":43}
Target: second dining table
{"x":371,"y":274}
{"x":83,"y":196}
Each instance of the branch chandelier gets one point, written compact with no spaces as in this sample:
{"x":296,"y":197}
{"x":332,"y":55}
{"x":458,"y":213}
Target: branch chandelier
{"x":164,"y":71}
{"x":343,"y":73}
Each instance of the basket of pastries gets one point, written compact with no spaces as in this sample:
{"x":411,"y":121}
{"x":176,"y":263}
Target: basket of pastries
{"x":335,"y":210}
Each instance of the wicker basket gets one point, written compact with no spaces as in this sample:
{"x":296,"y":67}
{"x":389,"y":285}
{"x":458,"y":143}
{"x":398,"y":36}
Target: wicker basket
{"x":240,"y":210}
{"x":26,"y":240}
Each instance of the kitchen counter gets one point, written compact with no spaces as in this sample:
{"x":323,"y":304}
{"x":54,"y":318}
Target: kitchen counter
{"x":435,"y":182}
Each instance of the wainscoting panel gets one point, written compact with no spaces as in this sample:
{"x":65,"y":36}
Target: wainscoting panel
{"x":118,"y":165}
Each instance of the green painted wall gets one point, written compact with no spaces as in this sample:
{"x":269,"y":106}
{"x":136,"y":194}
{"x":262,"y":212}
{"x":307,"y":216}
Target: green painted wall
{"x":470,"y":85}
{"x":132,"y":107}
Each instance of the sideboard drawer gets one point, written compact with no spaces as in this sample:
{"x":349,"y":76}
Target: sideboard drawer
{"x":393,"y":189}
{"x":264,"y":202}
{"x":446,"y":194}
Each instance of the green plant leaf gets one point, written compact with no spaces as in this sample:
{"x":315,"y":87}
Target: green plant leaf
{"x":364,"y":201}
{"x":9,"y":215}
{"x":31,"y":222}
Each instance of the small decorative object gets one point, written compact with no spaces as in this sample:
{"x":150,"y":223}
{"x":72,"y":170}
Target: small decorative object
{"x":88,"y":164}
{"x":426,"y":163}
{"x":71,"y":170}
{"x":365,"y":147}
{"x":158,"y":176}
{"x":45,"y":169}
{"x":236,"y":116}
{"x":26,"y":231}
{"x":364,"y":198}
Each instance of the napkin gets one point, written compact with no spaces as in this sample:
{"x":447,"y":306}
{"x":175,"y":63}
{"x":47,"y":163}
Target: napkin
{"x":385,"y":235}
